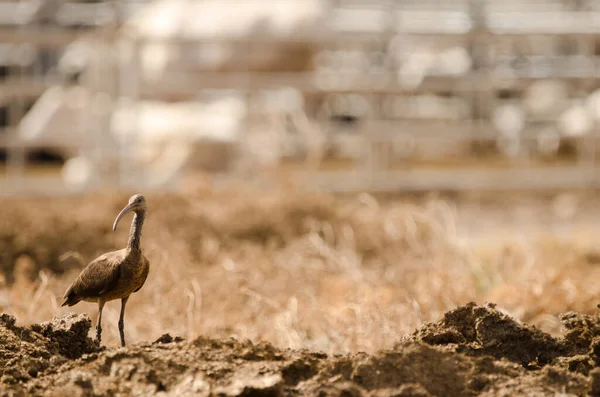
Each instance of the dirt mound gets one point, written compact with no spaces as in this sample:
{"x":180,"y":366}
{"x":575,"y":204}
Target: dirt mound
{"x":473,"y":351}
{"x":26,"y":353}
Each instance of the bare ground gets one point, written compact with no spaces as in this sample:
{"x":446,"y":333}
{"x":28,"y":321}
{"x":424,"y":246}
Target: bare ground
{"x":291,"y":294}
{"x":473,"y":351}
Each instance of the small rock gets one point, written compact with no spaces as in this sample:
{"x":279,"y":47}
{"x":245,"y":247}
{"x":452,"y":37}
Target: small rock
{"x":265,"y":385}
{"x":167,"y":338}
{"x":407,"y":390}
{"x":7,"y":320}
{"x":192,"y":385}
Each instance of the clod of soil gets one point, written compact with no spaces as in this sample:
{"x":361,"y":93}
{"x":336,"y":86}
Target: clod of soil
{"x":25,"y":353}
{"x":473,"y":351}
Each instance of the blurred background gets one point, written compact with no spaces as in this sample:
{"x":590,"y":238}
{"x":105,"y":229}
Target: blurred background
{"x":336,"y":95}
{"x":328,"y":174}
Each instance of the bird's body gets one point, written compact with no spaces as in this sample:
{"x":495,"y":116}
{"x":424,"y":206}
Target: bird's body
{"x":111,"y":276}
{"x":116,"y":274}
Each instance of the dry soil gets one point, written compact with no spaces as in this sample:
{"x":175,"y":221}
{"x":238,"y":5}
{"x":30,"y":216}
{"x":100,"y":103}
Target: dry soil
{"x":473,"y":351}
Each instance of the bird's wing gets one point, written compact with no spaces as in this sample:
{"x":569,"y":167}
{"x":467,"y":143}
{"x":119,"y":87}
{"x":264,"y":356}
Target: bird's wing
{"x":98,"y":277}
{"x":145,"y":274}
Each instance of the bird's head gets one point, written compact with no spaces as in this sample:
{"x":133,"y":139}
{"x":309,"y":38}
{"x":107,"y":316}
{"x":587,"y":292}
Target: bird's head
{"x":137,"y":203}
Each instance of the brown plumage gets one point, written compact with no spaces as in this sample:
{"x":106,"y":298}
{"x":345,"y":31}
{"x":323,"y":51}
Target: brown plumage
{"x":116,"y":274}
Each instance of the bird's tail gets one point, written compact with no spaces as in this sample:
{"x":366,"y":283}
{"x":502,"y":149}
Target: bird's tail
{"x":70,"y":301}
{"x":70,"y":298}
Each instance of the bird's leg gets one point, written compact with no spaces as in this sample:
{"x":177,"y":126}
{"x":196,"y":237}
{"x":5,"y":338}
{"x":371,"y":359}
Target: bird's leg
{"x":99,"y":324}
{"x":121,"y":322}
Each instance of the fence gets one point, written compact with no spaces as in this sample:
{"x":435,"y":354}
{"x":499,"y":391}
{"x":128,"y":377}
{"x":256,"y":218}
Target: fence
{"x":399,"y":95}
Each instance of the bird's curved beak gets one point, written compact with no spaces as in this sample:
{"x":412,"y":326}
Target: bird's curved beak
{"x":125,"y":210}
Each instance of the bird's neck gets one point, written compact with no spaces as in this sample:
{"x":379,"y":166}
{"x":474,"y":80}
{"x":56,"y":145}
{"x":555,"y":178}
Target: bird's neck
{"x":135,"y":233}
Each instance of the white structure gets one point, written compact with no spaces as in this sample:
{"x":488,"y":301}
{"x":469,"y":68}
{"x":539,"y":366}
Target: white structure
{"x":384,"y":84}
{"x":126,"y":101}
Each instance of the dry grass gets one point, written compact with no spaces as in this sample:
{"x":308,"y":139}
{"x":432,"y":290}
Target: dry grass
{"x":334,"y":274}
